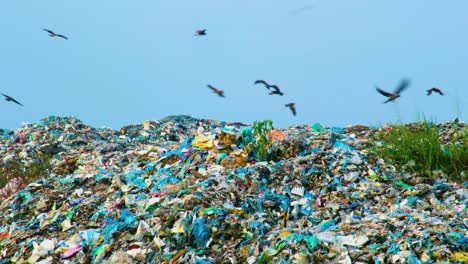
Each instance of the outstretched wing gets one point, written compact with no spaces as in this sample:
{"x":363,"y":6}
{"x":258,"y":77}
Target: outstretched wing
{"x":384,"y":93}
{"x":13,"y":100}
{"x":403,"y":86}
{"x":62,"y":36}
{"x":293,"y":109}
{"x":262,"y":82}
{"x":212,"y":88}
{"x":49,"y":31}
{"x":437,"y":90}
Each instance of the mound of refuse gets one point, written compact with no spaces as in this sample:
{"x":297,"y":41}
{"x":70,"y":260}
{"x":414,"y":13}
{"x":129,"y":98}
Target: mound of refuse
{"x":188,"y":190}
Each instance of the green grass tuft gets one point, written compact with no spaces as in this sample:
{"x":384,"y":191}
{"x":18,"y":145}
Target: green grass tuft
{"x":261,"y":131}
{"x":420,"y":149}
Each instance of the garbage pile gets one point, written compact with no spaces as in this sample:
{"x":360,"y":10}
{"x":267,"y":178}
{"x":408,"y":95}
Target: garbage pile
{"x":187,"y":190}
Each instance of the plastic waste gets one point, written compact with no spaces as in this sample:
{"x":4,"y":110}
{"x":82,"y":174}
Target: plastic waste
{"x":188,"y":190}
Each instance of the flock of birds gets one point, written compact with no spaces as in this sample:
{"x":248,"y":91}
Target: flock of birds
{"x":274,"y":89}
{"x":404,"y":84}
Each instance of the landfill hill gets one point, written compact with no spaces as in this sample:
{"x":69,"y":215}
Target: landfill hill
{"x":187,"y":190}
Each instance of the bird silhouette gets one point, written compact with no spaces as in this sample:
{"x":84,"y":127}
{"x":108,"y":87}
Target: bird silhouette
{"x":276,"y":90}
{"x":291,"y":106}
{"x":436,"y":90}
{"x":200,"y":32}
{"x":11,"y":99}
{"x":216,"y":91}
{"x":269,"y":86}
{"x":393,"y":96}
{"x":53,"y":34}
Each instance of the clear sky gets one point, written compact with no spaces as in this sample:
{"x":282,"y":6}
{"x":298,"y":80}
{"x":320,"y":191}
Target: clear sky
{"x":130,"y":61}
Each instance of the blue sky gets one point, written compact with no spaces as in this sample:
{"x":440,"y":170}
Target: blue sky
{"x":130,"y":61}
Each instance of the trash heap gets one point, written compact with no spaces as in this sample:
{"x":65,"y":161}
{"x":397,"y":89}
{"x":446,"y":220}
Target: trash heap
{"x":186,"y":190}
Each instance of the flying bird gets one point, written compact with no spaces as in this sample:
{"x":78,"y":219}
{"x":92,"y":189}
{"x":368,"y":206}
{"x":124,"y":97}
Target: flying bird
{"x":436,"y":90}
{"x":216,"y":91}
{"x":200,"y":32}
{"x":11,"y":99}
{"x":276,"y":90}
{"x":53,"y":34}
{"x":292,"y":106}
{"x":269,"y":86}
{"x":393,"y":96}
